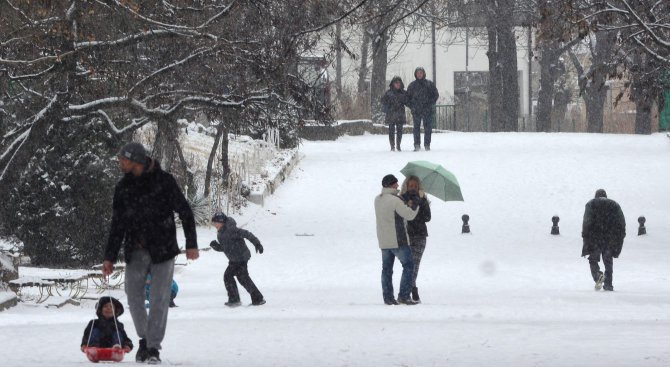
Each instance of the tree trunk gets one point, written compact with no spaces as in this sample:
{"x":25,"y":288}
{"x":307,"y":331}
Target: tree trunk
{"x":363,"y":69}
{"x":545,"y":95}
{"x":495,"y":77}
{"x":212,"y":155}
{"x":378,"y":77}
{"x":596,"y":91}
{"x":188,"y":175}
{"x":164,"y":150}
{"x":643,"y":107}
{"x":338,"y":61}
{"x":225,"y":161}
{"x":508,"y":60}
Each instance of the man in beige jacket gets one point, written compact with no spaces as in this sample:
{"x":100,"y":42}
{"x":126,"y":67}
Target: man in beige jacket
{"x":392,"y":214}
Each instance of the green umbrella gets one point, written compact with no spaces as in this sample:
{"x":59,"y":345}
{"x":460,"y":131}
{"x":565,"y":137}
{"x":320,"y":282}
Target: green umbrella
{"x":435,"y":179}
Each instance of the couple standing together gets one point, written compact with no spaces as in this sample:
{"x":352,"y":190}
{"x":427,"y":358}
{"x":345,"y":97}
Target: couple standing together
{"x":401,"y":232}
{"x":420,"y":97}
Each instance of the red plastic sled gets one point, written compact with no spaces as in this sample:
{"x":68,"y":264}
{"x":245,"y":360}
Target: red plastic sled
{"x":96,"y":355}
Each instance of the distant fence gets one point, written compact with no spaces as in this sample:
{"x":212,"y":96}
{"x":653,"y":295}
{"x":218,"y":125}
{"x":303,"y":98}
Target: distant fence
{"x":445,"y":117}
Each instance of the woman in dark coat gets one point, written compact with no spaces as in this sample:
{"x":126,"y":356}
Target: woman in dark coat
{"x":416,"y":229}
{"x":393,"y":105}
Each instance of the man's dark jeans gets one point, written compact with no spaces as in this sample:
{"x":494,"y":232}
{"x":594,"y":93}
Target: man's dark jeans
{"x":239,"y":270}
{"x":594,"y":258}
{"x":428,"y":120}
{"x":404,"y":255}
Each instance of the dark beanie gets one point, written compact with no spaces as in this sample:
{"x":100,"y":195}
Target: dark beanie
{"x":134,"y":151}
{"x":389,"y":180}
{"x":219,"y":217}
{"x":600,"y":193}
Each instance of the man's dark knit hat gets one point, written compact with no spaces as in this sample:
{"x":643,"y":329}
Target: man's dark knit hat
{"x":600,"y":193}
{"x":219,"y":217}
{"x":389,"y":180}
{"x":134,"y":151}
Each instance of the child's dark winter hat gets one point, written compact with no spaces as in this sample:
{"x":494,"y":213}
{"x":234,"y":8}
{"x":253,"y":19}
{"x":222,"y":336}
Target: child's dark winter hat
{"x":389,"y":180}
{"x":118,"y":307}
{"x":600,"y":193}
{"x":134,"y":151}
{"x":219,"y":217}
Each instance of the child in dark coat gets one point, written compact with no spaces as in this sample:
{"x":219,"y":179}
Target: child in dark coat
{"x":107,"y":331}
{"x":231,"y":243}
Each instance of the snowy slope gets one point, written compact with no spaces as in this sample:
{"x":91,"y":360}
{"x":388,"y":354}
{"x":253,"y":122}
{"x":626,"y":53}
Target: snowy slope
{"x":510,"y":294}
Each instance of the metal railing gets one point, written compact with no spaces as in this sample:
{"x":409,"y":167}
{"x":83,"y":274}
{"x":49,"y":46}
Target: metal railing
{"x":445,"y":117}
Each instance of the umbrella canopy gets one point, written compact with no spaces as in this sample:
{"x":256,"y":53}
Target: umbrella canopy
{"x":435,"y":179}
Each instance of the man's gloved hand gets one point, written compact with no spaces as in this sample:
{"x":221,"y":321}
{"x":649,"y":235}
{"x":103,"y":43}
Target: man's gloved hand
{"x":259,"y":248}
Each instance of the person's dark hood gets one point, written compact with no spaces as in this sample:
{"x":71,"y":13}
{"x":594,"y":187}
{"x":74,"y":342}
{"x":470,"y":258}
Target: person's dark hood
{"x":396,"y":78}
{"x":118,"y":307}
{"x":230,"y":224}
{"x":422,"y":69}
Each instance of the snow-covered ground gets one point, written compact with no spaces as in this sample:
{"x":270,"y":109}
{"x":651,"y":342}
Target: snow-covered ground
{"x":509,"y":294}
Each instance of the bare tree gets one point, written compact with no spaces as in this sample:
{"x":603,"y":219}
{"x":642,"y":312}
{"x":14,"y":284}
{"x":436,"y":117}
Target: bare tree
{"x":78,"y":77}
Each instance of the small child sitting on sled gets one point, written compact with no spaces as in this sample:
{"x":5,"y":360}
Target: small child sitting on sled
{"x":106,"y":331}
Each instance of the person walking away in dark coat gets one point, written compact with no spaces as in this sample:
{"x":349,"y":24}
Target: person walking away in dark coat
{"x":412,"y":191}
{"x":391,"y":213}
{"x":603,"y":231}
{"x":231,"y":243}
{"x":143,"y":208}
{"x":106,"y":331}
{"x":422,"y":96}
{"x":393,"y":104}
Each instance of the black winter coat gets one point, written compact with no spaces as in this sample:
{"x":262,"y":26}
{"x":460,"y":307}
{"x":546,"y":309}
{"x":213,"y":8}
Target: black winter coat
{"x":107,"y":330}
{"x":231,"y":242}
{"x":422,"y":96}
{"x":393,"y":103}
{"x":143,"y":216}
{"x":417,"y":227}
{"x":604,"y":226}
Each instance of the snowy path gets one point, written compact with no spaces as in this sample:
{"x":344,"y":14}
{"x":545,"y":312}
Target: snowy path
{"x":507,"y":295}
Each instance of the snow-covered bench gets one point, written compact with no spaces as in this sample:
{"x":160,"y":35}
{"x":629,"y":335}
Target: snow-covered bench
{"x":40,"y":284}
{"x":113,"y":281}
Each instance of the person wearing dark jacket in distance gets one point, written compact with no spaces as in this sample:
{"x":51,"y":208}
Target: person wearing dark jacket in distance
{"x":143,"y":208}
{"x":393,"y":104}
{"x":412,"y":191}
{"x":231,"y":243}
{"x":422,"y":96}
{"x":603,"y":231}
{"x":106,"y":331}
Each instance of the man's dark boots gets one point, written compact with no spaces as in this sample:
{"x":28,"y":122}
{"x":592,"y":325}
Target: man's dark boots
{"x":415,"y":295}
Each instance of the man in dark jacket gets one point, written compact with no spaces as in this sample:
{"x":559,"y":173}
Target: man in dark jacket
{"x":603,"y":231}
{"x":231,"y":243}
{"x":393,"y":104}
{"x":143,"y":208}
{"x":422,"y":96}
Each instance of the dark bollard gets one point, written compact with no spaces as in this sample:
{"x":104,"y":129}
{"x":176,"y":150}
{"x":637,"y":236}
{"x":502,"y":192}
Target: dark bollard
{"x":642,"y":230}
{"x":466,"y":226}
{"x":554,"y":228}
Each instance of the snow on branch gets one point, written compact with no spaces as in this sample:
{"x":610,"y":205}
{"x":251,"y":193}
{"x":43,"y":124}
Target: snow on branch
{"x":30,"y":76}
{"x":196,"y":54}
{"x":134,"y":125}
{"x":174,"y":26}
{"x":16,"y":145}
